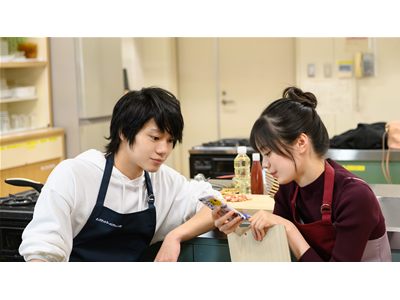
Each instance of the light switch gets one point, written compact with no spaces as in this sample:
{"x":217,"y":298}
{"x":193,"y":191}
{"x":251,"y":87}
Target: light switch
{"x":311,"y":70}
{"x":328,"y":70}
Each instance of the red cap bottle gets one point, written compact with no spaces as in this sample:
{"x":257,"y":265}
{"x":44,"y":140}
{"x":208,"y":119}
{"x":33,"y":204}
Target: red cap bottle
{"x":257,"y":184}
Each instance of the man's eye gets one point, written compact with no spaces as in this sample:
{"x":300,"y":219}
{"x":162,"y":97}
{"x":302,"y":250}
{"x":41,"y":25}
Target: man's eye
{"x":154,"y":137}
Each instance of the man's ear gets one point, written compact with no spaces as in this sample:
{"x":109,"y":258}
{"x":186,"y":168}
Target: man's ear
{"x":122,"y":136}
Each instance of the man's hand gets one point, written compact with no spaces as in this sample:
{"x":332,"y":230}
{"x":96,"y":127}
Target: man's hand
{"x":171,"y":247}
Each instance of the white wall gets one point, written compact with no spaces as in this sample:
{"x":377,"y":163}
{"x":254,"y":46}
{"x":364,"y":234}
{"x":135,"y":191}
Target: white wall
{"x":343,"y":103}
{"x":351,"y":100}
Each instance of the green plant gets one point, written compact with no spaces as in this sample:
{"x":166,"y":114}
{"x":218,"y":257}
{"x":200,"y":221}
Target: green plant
{"x":13,"y":43}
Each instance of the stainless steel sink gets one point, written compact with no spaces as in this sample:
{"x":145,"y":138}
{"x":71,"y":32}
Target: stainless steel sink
{"x":390,"y":207}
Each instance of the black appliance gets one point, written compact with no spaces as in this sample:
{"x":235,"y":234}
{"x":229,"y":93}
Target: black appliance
{"x":16,"y":211}
{"x":215,"y":159}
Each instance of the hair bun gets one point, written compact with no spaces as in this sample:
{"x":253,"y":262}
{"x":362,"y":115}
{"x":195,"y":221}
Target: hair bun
{"x":305,"y":98}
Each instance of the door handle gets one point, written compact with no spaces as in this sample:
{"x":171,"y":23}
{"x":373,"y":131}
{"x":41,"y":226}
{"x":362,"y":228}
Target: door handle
{"x":224,"y":101}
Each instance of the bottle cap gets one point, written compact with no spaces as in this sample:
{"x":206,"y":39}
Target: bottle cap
{"x":256,"y":156}
{"x":241,"y":149}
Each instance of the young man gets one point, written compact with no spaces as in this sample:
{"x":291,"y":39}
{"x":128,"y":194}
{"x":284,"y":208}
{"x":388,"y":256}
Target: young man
{"x":111,"y":206}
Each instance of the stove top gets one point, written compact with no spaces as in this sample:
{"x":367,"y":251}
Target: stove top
{"x":20,"y":205}
{"x":222,"y":146}
{"x":228,"y":143}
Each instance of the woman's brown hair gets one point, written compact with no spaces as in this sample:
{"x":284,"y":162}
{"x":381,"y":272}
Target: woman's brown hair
{"x":281,"y":123}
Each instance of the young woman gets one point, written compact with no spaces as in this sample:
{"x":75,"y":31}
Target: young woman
{"x":110,"y":206}
{"x":329,"y":213}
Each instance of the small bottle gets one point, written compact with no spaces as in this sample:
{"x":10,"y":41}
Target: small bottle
{"x":257,"y":184}
{"x":242,"y":170}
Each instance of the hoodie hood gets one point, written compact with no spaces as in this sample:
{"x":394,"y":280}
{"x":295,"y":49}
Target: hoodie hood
{"x":121,"y":184}
{"x":98,"y":159}
{"x":93,"y":156}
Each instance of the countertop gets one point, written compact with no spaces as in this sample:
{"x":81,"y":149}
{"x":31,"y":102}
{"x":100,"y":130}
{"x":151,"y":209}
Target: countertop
{"x":267,"y":203}
{"x":22,"y":136}
{"x":335,"y":154}
{"x":361,"y":154}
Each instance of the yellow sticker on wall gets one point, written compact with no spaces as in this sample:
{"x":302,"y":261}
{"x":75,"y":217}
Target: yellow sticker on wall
{"x":13,"y":146}
{"x":354,"y":168}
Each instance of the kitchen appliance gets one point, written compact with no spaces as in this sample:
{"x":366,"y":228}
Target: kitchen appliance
{"x":87,"y":80}
{"x":16,"y":211}
{"x":215,"y":159}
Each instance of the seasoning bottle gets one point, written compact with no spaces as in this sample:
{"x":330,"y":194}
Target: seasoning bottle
{"x":257,"y":185}
{"x":242,"y":170}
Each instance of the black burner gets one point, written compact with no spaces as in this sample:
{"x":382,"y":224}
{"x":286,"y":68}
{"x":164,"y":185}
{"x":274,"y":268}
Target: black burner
{"x":228,"y":143}
{"x":21,"y":199}
{"x":17,"y":201}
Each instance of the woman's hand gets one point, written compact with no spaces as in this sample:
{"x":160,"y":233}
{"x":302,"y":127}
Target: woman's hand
{"x":262,"y":220}
{"x":222,"y":222}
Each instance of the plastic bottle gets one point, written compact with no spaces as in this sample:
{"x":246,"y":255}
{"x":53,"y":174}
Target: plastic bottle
{"x":242,"y":170}
{"x":257,"y":184}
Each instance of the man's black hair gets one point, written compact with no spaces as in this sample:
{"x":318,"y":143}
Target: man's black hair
{"x":136,"y":108}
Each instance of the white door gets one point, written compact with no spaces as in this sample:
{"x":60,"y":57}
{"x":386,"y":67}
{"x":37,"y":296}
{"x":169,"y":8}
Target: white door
{"x":253,"y":72}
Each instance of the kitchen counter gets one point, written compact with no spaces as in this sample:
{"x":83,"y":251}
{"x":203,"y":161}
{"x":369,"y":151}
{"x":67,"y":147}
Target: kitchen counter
{"x":367,"y":164}
{"x":388,"y":196}
{"x":361,"y":155}
{"x":335,"y":154}
{"x":213,"y":246}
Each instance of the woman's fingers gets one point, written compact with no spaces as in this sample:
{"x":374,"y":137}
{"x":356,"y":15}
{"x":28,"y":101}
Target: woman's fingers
{"x":257,"y":229}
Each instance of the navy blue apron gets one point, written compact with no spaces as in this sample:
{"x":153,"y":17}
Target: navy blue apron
{"x":113,"y":237}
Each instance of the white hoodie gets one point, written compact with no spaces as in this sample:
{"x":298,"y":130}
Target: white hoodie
{"x":70,"y":193}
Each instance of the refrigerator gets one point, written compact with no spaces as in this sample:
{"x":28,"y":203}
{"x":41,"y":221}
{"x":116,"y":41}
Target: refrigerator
{"x":87,"y":80}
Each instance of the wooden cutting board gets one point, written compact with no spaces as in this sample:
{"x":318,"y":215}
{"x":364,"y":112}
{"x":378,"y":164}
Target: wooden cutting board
{"x":258,"y":202}
{"x":244,"y":248}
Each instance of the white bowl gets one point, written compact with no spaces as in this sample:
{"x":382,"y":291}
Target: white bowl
{"x":24,"y":91}
{"x":6,"y":58}
{"x":6,"y":93}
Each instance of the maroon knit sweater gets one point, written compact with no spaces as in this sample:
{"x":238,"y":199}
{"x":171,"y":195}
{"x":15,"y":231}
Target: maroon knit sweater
{"x":355,"y":212}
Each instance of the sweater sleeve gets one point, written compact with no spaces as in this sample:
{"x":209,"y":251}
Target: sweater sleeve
{"x":49,"y":235}
{"x":356,"y":215}
{"x":180,"y":200}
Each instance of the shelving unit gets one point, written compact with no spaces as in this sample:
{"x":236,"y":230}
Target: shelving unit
{"x":24,"y":64}
{"x":30,"y":73}
{"x":30,"y":152}
{"x":8,"y":100}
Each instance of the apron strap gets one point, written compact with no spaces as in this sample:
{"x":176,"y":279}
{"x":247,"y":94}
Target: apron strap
{"x":326,"y":207}
{"x":150,"y":197}
{"x":105,"y":180}
{"x":103,"y":187}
